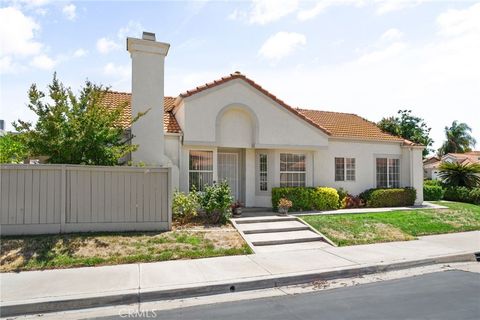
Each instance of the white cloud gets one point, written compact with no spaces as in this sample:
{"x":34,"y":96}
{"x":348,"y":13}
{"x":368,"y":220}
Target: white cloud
{"x":391,"y":35}
{"x":457,"y":22}
{"x":281,"y":45}
{"x":105,"y":45}
{"x":43,"y":62}
{"x":69,"y":11}
{"x":387,"y":6}
{"x":80,"y":53}
{"x":21,"y":42}
{"x":132,"y":29}
{"x":379,"y":55}
{"x":322,"y":5}
{"x":265,"y":11}
{"x":117,"y":71}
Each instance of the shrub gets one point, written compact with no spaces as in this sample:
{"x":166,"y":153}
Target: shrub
{"x":306,"y":198}
{"x":350,"y":202}
{"x":325,"y":198}
{"x":185,"y":206}
{"x":475,"y":195}
{"x":216,"y":201}
{"x":432,"y":193}
{"x":394,"y":197}
{"x":342,"y":194}
{"x":430,"y":182}
{"x":463,"y":194}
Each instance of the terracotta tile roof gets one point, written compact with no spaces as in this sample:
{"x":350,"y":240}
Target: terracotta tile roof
{"x":114,"y":99}
{"x":348,"y":125}
{"x":335,"y":124}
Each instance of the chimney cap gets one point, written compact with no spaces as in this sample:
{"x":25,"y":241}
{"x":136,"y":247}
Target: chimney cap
{"x":148,"y":36}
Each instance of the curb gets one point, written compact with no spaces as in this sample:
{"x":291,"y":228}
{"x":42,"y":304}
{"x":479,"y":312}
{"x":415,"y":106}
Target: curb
{"x":147,"y":295}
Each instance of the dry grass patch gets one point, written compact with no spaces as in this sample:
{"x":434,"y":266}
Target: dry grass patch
{"x":91,"y":249}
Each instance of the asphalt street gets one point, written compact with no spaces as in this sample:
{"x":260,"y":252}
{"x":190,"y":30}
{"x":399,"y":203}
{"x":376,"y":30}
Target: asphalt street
{"x":452,"y":295}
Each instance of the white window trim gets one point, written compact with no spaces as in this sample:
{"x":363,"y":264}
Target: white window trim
{"x":288,"y":172}
{"x":388,"y":171}
{"x":259,"y":155}
{"x":344,"y":169}
{"x":200,"y":171}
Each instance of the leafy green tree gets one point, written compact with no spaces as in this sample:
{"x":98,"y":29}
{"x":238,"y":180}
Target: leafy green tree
{"x":455,"y":174}
{"x":459,"y":139}
{"x":12,"y":149}
{"x":409,"y":127}
{"x":75,"y":129}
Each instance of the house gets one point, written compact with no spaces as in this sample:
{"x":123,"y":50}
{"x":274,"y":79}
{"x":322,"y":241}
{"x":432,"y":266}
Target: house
{"x":233,"y":129}
{"x":431,"y":166}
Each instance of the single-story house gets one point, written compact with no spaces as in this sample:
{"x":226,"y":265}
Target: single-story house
{"x":233,"y":129}
{"x":431,"y":165}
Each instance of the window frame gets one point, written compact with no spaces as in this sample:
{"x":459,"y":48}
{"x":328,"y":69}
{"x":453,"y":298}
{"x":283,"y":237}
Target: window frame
{"x":263,"y":172}
{"x":289,"y":182}
{"x":345,"y":169}
{"x":389,"y":166}
{"x":190,"y":171}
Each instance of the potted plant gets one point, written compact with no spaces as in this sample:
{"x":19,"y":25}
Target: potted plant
{"x":237,"y":208}
{"x":283,"y":206}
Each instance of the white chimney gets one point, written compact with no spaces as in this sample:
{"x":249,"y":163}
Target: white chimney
{"x":148,"y":59}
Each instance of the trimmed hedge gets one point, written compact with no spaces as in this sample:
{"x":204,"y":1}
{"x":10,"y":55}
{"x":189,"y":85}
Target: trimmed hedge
{"x":432,"y":193}
{"x":462,"y":194}
{"x":306,"y":198}
{"x":395,"y":197}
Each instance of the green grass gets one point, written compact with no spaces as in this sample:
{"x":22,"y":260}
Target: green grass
{"x":93,"y":249}
{"x":354,"y":229}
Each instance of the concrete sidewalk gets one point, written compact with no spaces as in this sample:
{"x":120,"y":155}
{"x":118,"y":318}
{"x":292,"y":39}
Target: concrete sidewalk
{"x":55,"y":290}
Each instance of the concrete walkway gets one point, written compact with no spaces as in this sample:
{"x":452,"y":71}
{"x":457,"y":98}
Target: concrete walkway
{"x":38,"y":291}
{"x":425,"y":205}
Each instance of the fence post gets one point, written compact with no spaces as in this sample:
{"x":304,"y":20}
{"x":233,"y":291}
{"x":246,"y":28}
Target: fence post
{"x":63,"y":197}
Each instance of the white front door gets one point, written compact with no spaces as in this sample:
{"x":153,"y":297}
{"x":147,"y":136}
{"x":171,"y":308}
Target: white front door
{"x":228,"y":170}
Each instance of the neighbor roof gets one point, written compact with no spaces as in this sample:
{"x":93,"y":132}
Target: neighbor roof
{"x":335,"y":124}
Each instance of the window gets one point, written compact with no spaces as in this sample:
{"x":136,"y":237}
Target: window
{"x":292,"y":170}
{"x":344,"y":169}
{"x":263,"y":172}
{"x":388,"y":173}
{"x":200,"y":169}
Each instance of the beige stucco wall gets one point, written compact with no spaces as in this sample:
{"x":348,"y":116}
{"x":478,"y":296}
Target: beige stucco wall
{"x":237,"y":110}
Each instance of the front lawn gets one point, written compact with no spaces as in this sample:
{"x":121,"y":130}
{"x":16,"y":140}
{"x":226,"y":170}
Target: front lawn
{"x":353,"y":229}
{"x":92,"y":249}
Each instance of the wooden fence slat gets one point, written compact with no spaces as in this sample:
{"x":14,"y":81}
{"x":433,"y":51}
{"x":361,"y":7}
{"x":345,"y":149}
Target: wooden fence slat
{"x":5,"y":195}
{"x":28,"y":196}
{"x":12,"y":192}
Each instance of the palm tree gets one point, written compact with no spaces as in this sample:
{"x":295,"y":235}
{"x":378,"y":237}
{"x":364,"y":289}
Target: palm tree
{"x":460,"y":175}
{"x":458,"y":140}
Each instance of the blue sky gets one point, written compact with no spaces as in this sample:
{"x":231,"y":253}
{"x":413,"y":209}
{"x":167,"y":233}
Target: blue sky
{"x":366,"y":57}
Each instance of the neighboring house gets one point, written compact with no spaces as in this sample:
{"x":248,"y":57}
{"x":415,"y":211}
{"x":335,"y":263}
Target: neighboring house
{"x":431,"y":166}
{"x":233,"y":129}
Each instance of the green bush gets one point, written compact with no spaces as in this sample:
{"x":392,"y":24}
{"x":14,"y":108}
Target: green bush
{"x":185,"y":206}
{"x":216,"y":201}
{"x":394,"y":197}
{"x":462,"y":194}
{"x":342,"y":194}
{"x":432,"y":192}
{"x":306,"y":198}
{"x":429,"y":182}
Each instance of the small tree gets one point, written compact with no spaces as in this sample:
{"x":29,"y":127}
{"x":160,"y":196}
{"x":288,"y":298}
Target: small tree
{"x":460,"y":175}
{"x":408,"y":127}
{"x":12,"y":149}
{"x":75,"y":129}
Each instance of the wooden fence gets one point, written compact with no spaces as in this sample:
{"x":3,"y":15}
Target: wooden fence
{"x":38,"y":199}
